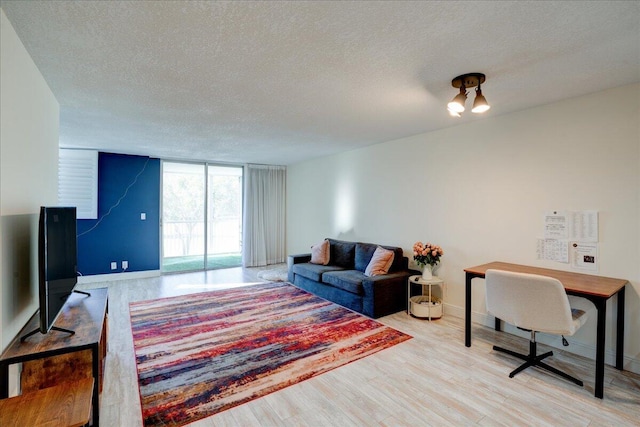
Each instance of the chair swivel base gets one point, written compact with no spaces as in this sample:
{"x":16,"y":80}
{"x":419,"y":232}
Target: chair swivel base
{"x":532,"y":359}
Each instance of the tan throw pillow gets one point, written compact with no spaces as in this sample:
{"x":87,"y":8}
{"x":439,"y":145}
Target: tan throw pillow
{"x":380,"y":262}
{"x":320,"y":253}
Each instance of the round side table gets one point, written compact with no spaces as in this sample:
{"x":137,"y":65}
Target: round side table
{"x":425,"y":283}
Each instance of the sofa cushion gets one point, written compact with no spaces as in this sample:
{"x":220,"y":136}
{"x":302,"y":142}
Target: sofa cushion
{"x":348,"y":280}
{"x":313,"y":271}
{"x":399,"y":260}
{"x":380,"y":262}
{"x":364,"y":252}
{"x":320,"y":253}
{"x":342,"y":253}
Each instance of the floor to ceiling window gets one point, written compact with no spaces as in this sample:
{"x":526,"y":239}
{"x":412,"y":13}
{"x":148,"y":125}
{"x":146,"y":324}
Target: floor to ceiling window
{"x":224,"y":216}
{"x":201,"y":216}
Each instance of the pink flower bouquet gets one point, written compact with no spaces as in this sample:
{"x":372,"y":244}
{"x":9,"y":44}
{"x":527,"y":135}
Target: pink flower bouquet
{"x":427,"y":253}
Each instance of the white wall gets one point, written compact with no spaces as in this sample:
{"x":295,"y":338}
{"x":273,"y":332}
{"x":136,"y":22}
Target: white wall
{"x":28,"y":176}
{"x":480,"y":190}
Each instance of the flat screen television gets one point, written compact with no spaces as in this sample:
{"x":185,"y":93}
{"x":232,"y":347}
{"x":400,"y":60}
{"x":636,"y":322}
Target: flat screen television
{"x":57,"y":263}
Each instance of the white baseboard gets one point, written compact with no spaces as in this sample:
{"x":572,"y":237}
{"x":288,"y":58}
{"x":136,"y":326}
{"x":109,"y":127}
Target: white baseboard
{"x":118,"y":276}
{"x":582,"y":349}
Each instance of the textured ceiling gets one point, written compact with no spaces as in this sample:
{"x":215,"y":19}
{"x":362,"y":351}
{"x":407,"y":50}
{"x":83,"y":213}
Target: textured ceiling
{"x":281,"y":82}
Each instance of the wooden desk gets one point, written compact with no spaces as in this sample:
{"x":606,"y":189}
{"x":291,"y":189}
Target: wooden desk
{"x":66,"y":405}
{"x":594,"y":288}
{"x":86,"y":315}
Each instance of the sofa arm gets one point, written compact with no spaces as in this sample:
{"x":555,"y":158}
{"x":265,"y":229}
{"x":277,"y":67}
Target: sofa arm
{"x":295,"y":259}
{"x":388,"y":277}
{"x":385,"y":294}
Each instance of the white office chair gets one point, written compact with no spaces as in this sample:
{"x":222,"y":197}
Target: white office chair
{"x":534,"y":303}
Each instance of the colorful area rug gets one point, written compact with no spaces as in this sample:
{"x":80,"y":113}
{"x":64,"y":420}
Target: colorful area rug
{"x":203,"y":353}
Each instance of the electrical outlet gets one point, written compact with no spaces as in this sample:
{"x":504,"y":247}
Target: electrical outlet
{"x":125,"y":265}
{"x":143,"y":216}
{"x":114,"y":265}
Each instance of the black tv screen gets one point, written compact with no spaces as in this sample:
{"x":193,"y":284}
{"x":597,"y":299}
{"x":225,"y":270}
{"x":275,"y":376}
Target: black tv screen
{"x":57,"y":261}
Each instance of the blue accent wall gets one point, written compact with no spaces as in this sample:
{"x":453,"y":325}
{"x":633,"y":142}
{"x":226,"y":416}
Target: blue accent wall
{"x":127,"y":187}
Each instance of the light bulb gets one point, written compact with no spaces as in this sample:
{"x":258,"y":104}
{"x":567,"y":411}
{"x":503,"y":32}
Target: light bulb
{"x":480,"y":104}
{"x":457,"y":103}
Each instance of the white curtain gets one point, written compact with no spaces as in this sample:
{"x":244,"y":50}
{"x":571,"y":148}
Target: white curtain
{"x":264,"y":219}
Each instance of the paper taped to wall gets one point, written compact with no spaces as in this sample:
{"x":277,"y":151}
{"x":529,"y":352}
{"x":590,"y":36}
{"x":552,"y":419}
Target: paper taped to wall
{"x":553,"y":250}
{"x":584,"y":256}
{"x":581,"y":226}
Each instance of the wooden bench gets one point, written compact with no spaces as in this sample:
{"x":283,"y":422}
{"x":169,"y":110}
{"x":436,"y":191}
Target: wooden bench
{"x":66,"y":405}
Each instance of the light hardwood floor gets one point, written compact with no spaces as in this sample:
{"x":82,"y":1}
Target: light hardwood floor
{"x":432,"y":379}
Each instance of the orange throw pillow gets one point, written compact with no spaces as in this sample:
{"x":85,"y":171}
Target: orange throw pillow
{"x":380,"y":262}
{"x":320,"y":253}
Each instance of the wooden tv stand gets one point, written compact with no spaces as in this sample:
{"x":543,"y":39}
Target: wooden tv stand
{"x":67,"y":404}
{"x":51,"y":359}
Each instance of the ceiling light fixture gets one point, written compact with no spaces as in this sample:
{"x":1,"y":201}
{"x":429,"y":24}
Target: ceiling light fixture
{"x":480,"y":104}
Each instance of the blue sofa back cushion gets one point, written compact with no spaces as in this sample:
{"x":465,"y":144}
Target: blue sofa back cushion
{"x":342,"y":253}
{"x":400,"y":262}
{"x":364,"y":253}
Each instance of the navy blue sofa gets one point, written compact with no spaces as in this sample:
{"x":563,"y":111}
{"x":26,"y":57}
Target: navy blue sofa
{"x":343,"y":280}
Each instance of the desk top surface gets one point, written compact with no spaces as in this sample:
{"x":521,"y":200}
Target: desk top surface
{"x":573,"y":282}
{"x":82,"y":314}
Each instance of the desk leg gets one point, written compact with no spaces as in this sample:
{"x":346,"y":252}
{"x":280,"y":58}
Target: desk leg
{"x":601,"y":308}
{"x":4,"y":381}
{"x":620,"y":331}
{"x":467,"y":310}
{"x":95,"y":401}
